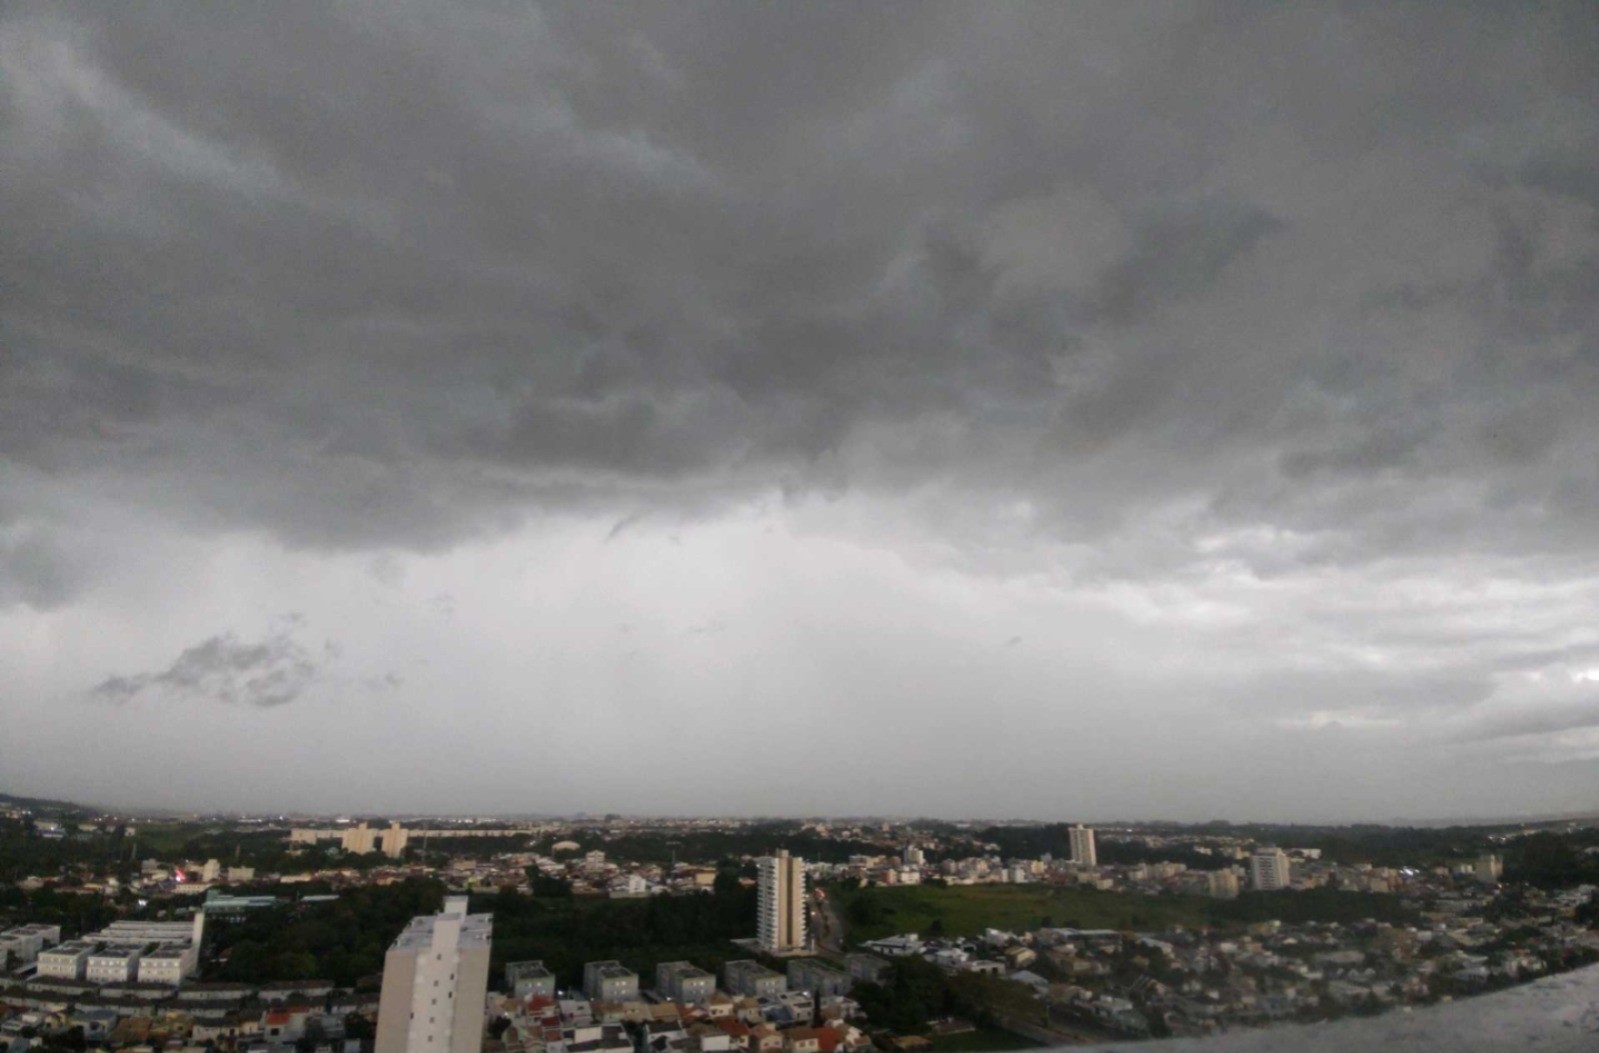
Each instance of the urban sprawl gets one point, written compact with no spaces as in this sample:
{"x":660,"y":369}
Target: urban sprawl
{"x":749,"y":936}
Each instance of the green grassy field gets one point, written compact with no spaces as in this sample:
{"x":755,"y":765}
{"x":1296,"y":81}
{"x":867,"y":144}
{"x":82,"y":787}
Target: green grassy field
{"x":966,"y":910}
{"x":983,"y":1040}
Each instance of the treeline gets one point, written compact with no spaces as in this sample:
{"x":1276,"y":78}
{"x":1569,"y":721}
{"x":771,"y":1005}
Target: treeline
{"x":76,"y":912}
{"x":1309,"y":905}
{"x":1553,"y":860}
{"x":345,"y":941}
{"x":565,"y":933}
{"x":913,"y":991}
{"x":703,"y":846}
{"x":24,"y":853}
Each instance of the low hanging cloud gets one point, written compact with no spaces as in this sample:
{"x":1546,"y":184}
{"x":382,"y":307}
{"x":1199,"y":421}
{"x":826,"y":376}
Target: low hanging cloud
{"x":272,"y":672}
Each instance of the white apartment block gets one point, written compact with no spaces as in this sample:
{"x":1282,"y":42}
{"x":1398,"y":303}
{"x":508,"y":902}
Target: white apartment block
{"x":169,"y":965}
{"x":1222,"y":884}
{"x":609,"y":981}
{"x":435,"y":980}
{"x":66,"y":961}
{"x":684,"y":982}
{"x":751,"y":979}
{"x":781,"y":911}
{"x":1269,"y":870}
{"x":112,"y":965}
{"x":24,"y":942}
{"x":1082,"y":843}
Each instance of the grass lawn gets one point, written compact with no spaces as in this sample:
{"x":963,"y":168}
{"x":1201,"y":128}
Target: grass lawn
{"x":966,"y":910}
{"x":983,"y":1040}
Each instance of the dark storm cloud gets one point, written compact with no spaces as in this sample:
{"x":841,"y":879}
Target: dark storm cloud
{"x":389,"y":275}
{"x":272,"y":672}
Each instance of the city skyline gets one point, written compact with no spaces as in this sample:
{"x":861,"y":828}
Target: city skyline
{"x":1176,"y":410}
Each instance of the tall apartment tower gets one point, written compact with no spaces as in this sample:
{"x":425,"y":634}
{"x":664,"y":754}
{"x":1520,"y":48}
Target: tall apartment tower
{"x":781,"y":911}
{"x":1083,"y":853}
{"x":1269,"y":870}
{"x":435,"y":979}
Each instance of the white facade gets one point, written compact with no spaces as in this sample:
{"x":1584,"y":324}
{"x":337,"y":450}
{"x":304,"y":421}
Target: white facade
{"x":780,"y":915}
{"x":1223,"y":884}
{"x":114,"y":965}
{"x":435,"y":979}
{"x":169,"y":965}
{"x":1488,"y":868}
{"x":24,"y":942}
{"x":1082,"y":841}
{"x":65,"y":962}
{"x":1269,"y":870}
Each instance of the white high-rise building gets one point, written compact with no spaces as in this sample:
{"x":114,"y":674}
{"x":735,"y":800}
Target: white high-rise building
{"x":1269,"y":869}
{"x":435,"y":979}
{"x":1082,"y":840}
{"x":781,"y":910}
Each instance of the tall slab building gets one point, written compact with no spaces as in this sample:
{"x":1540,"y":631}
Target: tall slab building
{"x":1082,"y":841}
{"x":435,"y":979}
{"x":781,"y":910}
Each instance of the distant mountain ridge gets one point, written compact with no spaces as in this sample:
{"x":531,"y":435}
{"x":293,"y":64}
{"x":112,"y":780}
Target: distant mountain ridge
{"x":42,"y":804}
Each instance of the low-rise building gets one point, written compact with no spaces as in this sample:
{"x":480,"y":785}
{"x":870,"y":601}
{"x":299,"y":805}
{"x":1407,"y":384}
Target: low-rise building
{"x":529,"y":980}
{"x":609,"y":981}
{"x":865,"y":967}
{"x":751,"y":978}
{"x":66,"y":961}
{"x":168,"y":965}
{"x":818,"y":977}
{"x":684,"y":982}
{"x":112,"y":965}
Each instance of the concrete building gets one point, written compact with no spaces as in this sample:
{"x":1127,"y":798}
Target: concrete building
{"x":914,"y":856}
{"x":435,"y":979}
{"x":138,"y":933}
{"x":66,"y":961}
{"x":169,"y":965}
{"x":241,"y":873}
{"x":752,"y":979}
{"x":24,"y":942}
{"x":1488,"y":868}
{"x":609,"y":981}
{"x":1222,"y":884}
{"x":865,"y":967}
{"x":359,"y":839}
{"x":1269,"y":869}
{"x":684,"y":982}
{"x":529,"y":980}
{"x":112,"y":965}
{"x":395,"y":839}
{"x":818,"y":977}
{"x":222,"y":905}
{"x":780,"y":916}
{"x":1082,"y":843}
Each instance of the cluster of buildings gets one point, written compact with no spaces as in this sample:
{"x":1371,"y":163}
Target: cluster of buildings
{"x":235,"y":1018}
{"x":1193,"y":983}
{"x":435,"y":995}
{"x":147,"y":952}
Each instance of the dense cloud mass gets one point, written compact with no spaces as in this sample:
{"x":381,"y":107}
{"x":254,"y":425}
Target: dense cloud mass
{"x":1203,"y":389}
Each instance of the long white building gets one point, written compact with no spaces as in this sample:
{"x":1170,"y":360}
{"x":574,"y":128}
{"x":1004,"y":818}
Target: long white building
{"x":780,"y":913}
{"x":435,"y":979}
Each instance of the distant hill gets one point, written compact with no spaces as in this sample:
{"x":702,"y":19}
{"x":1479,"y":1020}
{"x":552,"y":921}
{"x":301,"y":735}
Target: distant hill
{"x":43,"y":805}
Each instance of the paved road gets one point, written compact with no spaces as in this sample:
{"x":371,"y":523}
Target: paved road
{"x":829,"y":928}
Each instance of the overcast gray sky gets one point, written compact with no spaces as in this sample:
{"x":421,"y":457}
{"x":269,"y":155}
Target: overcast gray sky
{"x":1077,"y":410}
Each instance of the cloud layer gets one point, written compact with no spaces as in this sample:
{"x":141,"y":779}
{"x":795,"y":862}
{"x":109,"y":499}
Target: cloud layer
{"x":1274,"y":329}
